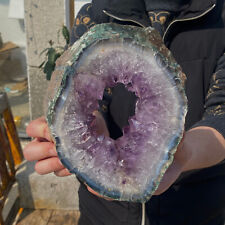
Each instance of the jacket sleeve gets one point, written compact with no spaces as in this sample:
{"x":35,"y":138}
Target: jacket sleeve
{"x":83,"y":22}
{"x":89,"y":15}
{"x":214,"y":115}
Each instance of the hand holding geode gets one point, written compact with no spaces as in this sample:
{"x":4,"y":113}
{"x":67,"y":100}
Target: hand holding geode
{"x":131,"y":166}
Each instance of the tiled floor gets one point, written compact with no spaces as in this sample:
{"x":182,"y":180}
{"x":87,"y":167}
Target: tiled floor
{"x":47,"y":217}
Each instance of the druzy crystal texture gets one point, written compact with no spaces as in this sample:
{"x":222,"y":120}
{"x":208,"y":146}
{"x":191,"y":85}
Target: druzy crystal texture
{"x":131,"y":166}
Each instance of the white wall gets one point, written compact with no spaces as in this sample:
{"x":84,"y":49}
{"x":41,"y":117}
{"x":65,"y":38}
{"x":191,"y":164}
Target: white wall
{"x":79,"y":4}
{"x":13,"y":30}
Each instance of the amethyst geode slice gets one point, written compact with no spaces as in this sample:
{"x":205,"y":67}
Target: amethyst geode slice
{"x":130,"y":167}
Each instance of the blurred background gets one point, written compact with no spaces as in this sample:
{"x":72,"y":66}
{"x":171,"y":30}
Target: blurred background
{"x":13,"y":68}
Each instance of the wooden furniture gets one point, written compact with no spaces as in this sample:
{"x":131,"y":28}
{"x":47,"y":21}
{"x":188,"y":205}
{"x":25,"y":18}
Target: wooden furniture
{"x":10,"y":151}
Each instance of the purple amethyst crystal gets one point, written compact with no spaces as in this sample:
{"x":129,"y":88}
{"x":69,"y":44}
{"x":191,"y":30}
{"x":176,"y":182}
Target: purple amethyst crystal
{"x":130,"y":167}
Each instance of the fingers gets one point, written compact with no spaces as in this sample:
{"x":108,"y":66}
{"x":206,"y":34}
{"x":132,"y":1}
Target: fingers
{"x":46,"y":155}
{"x":174,"y":170}
{"x":48,"y":165}
{"x":43,"y":149}
{"x":169,"y":177}
{"x":39,"y":129}
{"x":37,"y":150}
{"x":62,"y":173}
{"x":97,"y":194}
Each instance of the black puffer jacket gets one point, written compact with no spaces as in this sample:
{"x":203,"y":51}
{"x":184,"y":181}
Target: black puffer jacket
{"x":196,"y":37}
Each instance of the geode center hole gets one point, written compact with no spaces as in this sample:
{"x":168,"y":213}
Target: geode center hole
{"x":116,"y":107}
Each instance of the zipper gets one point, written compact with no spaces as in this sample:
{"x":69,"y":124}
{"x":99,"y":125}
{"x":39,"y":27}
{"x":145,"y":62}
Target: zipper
{"x":121,"y":19}
{"x":167,"y":29}
{"x":188,"y":19}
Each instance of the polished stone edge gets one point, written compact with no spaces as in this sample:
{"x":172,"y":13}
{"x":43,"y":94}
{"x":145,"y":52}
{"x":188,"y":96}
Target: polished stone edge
{"x":148,"y":38}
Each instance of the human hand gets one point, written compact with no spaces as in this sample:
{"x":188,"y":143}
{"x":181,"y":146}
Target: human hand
{"x":201,"y":147}
{"x":42,"y":149}
{"x":174,"y":170}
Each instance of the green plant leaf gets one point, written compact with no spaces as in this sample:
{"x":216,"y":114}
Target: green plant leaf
{"x":41,"y":65}
{"x":48,"y":69}
{"x":57,"y":55}
{"x":45,"y":50}
{"x":51,"y":55}
{"x":66,"y":34}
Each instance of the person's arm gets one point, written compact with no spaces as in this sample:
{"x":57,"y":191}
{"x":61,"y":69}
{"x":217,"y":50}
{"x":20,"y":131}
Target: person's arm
{"x":201,"y":147}
{"x":214,"y":115}
{"x":209,"y":133}
{"x":204,"y":144}
{"x":212,"y":125}
{"x":207,"y":148}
